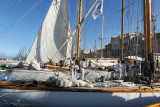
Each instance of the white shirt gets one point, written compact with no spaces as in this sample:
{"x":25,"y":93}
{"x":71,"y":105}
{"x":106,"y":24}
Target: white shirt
{"x":119,"y":67}
{"x":82,"y":64}
{"x":77,"y":67}
{"x":71,"y":63}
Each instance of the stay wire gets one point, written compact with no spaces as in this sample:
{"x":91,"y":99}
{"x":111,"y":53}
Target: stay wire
{"x":20,"y":18}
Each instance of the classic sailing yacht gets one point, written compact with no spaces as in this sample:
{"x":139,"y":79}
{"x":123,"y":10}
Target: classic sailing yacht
{"x":80,"y":97}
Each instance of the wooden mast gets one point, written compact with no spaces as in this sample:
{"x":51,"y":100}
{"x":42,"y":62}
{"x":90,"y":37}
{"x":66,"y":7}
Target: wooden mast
{"x":95,"y":50}
{"x":147,"y":25}
{"x":102,"y":38}
{"x":148,"y":38}
{"x":123,"y":7}
{"x":80,"y":3}
{"x":74,"y":31}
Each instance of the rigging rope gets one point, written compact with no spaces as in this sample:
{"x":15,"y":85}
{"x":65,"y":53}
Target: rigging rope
{"x":8,"y":11}
{"x":21,"y":17}
{"x":107,"y":12}
{"x":75,"y":29}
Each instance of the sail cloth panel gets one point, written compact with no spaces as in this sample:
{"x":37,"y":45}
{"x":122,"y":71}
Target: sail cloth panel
{"x":52,"y":34}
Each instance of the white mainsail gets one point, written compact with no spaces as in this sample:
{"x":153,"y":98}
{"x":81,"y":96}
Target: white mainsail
{"x":52,"y":34}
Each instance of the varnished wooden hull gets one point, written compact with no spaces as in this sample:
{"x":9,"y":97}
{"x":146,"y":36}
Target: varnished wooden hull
{"x":32,"y":97}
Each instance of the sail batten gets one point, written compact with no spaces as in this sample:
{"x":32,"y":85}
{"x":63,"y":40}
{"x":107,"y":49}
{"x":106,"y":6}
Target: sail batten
{"x":52,"y":34}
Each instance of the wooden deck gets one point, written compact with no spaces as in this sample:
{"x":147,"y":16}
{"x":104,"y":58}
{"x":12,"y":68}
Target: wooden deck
{"x":136,"y":89}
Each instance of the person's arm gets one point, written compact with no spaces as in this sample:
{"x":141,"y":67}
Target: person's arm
{"x":73,"y":63}
{"x":83,"y":66}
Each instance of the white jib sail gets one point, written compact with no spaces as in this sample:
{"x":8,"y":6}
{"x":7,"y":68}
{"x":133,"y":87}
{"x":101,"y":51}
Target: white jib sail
{"x":52,"y":34}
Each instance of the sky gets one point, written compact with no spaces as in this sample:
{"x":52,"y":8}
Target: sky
{"x":21,"y":21}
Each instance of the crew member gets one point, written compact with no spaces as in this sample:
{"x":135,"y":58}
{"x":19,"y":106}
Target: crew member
{"x":130,"y":70}
{"x":123,"y":69}
{"x":82,"y":68}
{"x":135,"y":69}
{"x":119,"y":70}
{"x":72,"y":66}
{"x":76,"y":68}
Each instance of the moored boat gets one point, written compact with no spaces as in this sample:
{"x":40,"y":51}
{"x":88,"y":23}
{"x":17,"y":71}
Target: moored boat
{"x":86,"y":97}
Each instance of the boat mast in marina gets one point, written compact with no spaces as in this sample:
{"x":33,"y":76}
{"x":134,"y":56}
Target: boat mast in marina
{"x":102,"y":38}
{"x":148,"y":37}
{"x":80,"y":4}
{"x":122,"y":29}
{"x":147,"y":26}
{"x":79,"y":24}
{"x":74,"y":31}
{"x":123,"y":7}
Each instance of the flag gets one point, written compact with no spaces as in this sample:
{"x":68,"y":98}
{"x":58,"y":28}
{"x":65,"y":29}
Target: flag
{"x":98,"y":10}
